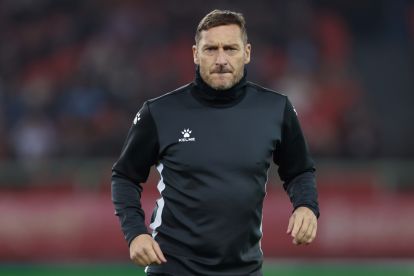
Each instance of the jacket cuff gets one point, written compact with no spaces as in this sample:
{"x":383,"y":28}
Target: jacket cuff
{"x":129,"y":237}
{"x":312,"y":207}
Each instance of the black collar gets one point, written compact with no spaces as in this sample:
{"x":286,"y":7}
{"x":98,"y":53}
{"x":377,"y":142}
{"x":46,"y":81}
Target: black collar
{"x":218,"y":98}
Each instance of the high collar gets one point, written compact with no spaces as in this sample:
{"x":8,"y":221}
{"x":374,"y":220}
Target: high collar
{"x":218,"y":98}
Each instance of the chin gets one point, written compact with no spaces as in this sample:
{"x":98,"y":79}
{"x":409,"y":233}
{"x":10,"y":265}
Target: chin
{"x":221,"y":85}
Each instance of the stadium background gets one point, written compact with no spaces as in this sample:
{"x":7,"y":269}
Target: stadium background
{"x":74,"y":73}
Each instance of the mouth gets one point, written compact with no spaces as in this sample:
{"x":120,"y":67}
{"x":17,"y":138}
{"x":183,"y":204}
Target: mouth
{"x":221,"y":72}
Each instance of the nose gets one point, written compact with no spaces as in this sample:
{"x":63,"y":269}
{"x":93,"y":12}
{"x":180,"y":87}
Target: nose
{"x":221,"y":58}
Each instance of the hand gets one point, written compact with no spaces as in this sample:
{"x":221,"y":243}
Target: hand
{"x":144,"y":250}
{"x":302,"y":226}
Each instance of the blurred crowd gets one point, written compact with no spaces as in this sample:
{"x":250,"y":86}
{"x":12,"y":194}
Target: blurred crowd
{"x":73,"y":74}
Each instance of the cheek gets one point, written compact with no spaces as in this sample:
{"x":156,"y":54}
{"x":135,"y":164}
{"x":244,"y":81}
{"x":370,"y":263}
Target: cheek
{"x":205,"y":64}
{"x":206,"y":61}
{"x":239,"y":64}
{"x":204,"y":70}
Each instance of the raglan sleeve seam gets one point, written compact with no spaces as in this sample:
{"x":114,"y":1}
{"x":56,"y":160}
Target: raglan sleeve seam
{"x":155,"y":128}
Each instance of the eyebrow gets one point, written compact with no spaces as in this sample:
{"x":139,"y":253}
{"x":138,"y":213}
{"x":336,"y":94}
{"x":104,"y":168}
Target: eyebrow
{"x":225,"y":45}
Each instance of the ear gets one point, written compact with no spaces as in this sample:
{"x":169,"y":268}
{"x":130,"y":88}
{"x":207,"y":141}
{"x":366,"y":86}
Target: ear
{"x":247,"y":51}
{"x":195,"y":54}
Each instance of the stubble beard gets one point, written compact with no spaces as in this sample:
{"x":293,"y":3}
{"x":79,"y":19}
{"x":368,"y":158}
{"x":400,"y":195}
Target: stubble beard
{"x":224,"y":86}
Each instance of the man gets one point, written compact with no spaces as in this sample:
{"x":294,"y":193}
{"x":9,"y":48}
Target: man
{"x":212,"y":142}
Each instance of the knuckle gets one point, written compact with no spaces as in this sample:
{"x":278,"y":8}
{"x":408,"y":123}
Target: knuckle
{"x":139,"y":251}
{"x":133,"y":255}
{"x":151,"y":256}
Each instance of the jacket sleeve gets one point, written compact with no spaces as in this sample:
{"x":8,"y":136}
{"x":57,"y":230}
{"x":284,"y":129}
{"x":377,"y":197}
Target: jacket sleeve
{"x":296,"y":167}
{"x":139,"y":153}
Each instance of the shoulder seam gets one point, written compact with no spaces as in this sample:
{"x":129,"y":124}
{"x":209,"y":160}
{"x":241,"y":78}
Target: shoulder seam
{"x":173,"y":92}
{"x":264,"y":89}
{"x":155,"y":126}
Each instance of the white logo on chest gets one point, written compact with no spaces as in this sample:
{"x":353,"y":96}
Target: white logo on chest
{"x":186,"y":136}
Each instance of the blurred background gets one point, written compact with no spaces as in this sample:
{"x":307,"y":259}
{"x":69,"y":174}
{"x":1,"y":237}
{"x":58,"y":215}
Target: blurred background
{"x":73,"y":74}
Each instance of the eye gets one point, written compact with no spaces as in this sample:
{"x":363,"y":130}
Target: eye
{"x":230,"y":49}
{"x":210,"y":49}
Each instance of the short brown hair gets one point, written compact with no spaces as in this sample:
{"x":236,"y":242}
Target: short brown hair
{"x":219,"y":18}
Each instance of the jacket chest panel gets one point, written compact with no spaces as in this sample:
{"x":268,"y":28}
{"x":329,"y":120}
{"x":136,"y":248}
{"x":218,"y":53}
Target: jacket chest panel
{"x":229,"y":139}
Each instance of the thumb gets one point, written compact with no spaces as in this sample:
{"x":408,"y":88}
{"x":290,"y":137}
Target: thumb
{"x":290,"y":226}
{"x":158,"y":251}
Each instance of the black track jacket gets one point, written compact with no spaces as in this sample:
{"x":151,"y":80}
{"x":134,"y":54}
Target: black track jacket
{"x":212,"y":150}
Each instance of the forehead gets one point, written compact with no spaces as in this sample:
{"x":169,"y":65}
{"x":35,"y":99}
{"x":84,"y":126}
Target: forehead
{"x":226,"y":34}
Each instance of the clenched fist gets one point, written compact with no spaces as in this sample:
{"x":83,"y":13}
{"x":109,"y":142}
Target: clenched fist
{"x":144,"y":250}
{"x":302,"y":226}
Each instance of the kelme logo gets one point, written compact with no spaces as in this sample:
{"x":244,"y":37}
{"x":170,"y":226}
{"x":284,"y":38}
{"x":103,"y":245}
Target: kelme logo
{"x":186,"y":136}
